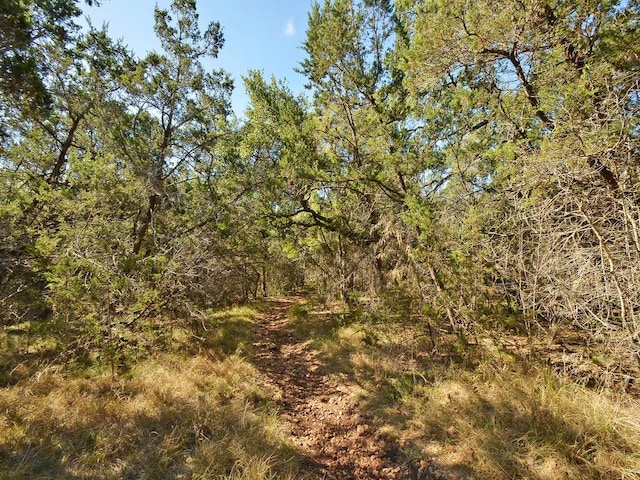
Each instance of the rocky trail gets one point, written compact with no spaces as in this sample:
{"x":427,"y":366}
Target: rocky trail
{"x":338,"y":439}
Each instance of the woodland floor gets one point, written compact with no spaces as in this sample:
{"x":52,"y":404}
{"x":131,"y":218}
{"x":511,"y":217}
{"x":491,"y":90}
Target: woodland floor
{"x":299,"y":388}
{"x":323,"y":411}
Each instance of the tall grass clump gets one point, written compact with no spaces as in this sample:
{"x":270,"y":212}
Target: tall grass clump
{"x":192,"y":413}
{"x":476,"y":410}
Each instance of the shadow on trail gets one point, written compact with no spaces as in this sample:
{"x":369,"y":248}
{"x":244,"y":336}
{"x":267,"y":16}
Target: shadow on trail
{"x":327,"y":419}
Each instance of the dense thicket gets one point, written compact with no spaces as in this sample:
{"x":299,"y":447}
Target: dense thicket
{"x":475,"y":162}
{"x":118,"y":204}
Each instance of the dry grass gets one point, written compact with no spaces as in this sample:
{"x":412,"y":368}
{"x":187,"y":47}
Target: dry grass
{"x":480,"y":412}
{"x":198,"y":412}
{"x":175,"y":415}
{"x":508,"y":424}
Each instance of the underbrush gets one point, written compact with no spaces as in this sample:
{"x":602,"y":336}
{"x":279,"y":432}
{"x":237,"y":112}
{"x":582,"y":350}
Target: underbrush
{"x":195,"y":411}
{"x":477,"y":410}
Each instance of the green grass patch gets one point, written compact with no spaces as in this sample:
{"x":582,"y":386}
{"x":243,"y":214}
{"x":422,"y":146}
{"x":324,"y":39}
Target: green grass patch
{"x":229,"y":331}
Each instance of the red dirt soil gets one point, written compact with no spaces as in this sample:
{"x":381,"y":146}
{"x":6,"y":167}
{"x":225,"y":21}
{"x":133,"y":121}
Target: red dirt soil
{"x":337,"y":438}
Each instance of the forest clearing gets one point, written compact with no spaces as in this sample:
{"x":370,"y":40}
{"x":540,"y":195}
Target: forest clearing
{"x":426,"y":265}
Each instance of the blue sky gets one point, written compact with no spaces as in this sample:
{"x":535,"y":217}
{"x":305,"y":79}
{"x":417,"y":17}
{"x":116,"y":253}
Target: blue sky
{"x":259,"y":34}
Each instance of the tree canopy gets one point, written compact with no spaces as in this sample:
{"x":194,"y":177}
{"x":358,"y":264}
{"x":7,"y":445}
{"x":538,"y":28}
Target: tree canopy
{"x":477,"y":163}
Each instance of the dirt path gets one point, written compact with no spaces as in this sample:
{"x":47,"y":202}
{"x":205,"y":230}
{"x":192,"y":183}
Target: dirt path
{"x":323,"y":415}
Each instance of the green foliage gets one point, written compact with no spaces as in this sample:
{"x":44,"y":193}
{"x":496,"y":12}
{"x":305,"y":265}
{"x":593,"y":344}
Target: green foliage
{"x":28,"y":29}
{"x":474,"y":163}
{"x":113,"y":213}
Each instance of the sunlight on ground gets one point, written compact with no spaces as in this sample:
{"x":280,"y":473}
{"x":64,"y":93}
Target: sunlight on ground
{"x":200,"y":411}
{"x":176,"y":415}
{"x":476,"y":412}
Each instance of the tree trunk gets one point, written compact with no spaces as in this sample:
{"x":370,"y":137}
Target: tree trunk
{"x":146,"y":222}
